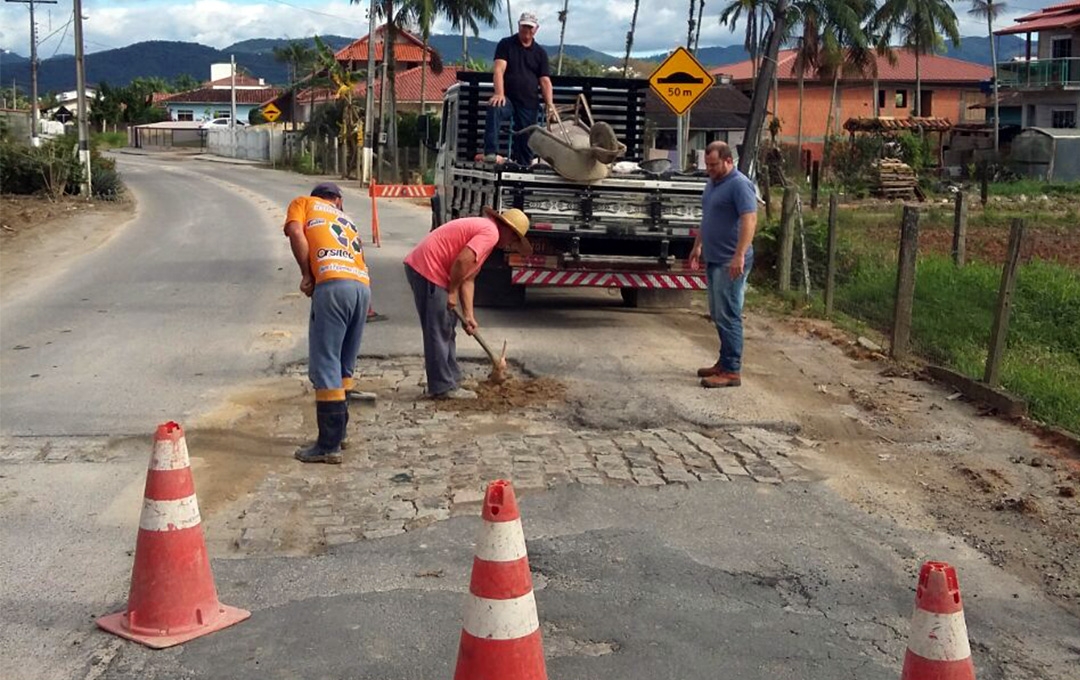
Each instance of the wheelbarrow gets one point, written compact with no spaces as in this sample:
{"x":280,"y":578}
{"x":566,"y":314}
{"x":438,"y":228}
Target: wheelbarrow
{"x":579,"y":150}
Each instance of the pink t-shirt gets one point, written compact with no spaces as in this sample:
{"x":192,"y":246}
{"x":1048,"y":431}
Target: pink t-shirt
{"x":433,"y":257}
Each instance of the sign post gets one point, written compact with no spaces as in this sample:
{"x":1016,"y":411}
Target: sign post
{"x":680,"y":82}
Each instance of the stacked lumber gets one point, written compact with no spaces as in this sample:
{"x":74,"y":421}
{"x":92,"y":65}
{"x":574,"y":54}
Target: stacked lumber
{"x":892,"y":178}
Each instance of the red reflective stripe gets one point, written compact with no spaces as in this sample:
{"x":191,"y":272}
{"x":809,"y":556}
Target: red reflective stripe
{"x":519,"y":659}
{"x":500,"y":580}
{"x":169,"y":485}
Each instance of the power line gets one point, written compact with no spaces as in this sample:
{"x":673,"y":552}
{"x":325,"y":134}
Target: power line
{"x":312,"y":11}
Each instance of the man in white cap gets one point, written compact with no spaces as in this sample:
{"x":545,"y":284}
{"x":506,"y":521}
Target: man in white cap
{"x":521,"y":66}
{"x":442,"y":271}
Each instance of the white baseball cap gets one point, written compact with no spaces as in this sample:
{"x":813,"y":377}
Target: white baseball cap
{"x":528,"y":19}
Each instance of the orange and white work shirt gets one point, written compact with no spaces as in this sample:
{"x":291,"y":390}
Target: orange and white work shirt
{"x":334,"y":246}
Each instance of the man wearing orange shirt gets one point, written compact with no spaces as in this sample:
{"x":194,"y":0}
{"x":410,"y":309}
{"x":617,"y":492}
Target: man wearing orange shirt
{"x":442,"y":271}
{"x":327,"y":248}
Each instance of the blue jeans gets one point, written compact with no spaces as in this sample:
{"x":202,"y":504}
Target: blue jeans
{"x":726,"y":296}
{"x":521,"y":118}
{"x":338,"y":313}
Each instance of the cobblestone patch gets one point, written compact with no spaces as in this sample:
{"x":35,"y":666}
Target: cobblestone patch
{"x":409,"y":464}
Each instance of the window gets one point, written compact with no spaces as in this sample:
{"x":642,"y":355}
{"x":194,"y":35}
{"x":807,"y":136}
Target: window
{"x":901,"y":99}
{"x":880,"y":99}
{"x":1063,"y":118}
{"x":222,"y":113}
{"x":1061,"y":48}
{"x":185,"y":114}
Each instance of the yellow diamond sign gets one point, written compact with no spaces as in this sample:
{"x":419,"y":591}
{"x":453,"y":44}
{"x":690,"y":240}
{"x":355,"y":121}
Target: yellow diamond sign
{"x":681,"y":80}
{"x":271,"y":112}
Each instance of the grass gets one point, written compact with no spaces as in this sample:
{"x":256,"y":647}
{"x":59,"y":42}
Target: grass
{"x":109,"y":140}
{"x":1032,"y":187}
{"x":953,"y":313}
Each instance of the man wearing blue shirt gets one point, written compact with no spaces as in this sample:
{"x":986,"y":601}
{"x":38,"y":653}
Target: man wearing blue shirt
{"x":725,"y":243}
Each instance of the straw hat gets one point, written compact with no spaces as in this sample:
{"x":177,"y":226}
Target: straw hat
{"x":513,"y":219}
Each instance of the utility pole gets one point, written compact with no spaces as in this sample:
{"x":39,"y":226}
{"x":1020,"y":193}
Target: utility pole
{"x":369,"y":96}
{"x":80,"y":85}
{"x":35,"y":115}
{"x":232,"y":91}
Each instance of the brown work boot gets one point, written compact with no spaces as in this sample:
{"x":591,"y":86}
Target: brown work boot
{"x":722,"y":379}
{"x":710,"y":370}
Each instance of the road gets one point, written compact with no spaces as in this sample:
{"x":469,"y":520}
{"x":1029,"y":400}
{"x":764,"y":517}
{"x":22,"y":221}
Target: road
{"x":755,"y":563}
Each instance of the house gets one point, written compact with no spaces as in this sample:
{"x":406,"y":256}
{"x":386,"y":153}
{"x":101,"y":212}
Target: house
{"x":214,"y":98}
{"x":409,"y":54}
{"x":1042,"y":88}
{"x":720,"y":114}
{"x":67,"y":103}
{"x":950,"y":88}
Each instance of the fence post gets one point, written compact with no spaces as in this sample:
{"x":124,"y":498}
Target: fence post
{"x":337,"y":157}
{"x":905,"y":284}
{"x":767,"y":194}
{"x":815,"y":179}
{"x":959,"y":239}
{"x":1000,"y":332}
{"x":830,"y":257}
{"x":984,"y":183}
{"x":787,"y":237}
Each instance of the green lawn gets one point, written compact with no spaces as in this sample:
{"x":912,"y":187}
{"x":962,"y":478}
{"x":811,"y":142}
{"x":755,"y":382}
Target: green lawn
{"x":953,"y":312}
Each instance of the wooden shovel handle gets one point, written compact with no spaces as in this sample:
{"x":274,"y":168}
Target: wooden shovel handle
{"x":491,"y":355}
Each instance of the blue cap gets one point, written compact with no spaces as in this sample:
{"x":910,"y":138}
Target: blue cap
{"x":326,"y":190}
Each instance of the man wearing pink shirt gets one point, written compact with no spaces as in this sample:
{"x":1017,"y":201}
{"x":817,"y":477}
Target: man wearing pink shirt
{"x":442,"y":271}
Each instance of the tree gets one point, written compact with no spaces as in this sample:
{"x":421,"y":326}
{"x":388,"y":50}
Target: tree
{"x":583,"y":67}
{"x":184,"y":82}
{"x":990,"y":10}
{"x":919,"y":25}
{"x":630,"y":40}
{"x":468,"y":15}
{"x":299,"y":58}
{"x":759,"y":100}
{"x":562,"y":35}
{"x":425,"y":12}
{"x":730,"y":15}
{"x":346,"y":112}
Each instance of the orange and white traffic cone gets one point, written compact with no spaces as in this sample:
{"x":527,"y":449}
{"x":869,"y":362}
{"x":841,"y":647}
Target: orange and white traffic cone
{"x":938,"y":647}
{"x":501,"y":635}
{"x":172,"y":597}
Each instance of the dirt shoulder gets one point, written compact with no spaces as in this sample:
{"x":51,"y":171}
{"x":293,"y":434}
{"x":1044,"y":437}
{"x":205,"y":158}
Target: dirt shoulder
{"x":39,"y":236}
{"x":896,"y":444}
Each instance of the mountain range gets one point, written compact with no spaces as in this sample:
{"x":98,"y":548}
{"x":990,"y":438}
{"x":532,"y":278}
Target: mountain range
{"x":166,"y":59}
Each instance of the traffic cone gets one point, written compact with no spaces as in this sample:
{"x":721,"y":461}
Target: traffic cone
{"x":501,"y":635}
{"x":172,"y":598}
{"x":938,"y":647}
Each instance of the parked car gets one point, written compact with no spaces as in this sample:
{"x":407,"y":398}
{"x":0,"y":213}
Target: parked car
{"x":221,"y":123}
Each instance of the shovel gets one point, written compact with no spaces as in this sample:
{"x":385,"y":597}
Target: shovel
{"x":498,"y":364}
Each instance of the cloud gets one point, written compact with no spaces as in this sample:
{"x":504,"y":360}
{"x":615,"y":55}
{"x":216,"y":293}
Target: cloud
{"x":600,"y":24}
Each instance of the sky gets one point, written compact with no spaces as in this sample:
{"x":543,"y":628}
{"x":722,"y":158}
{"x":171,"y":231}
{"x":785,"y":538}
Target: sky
{"x":599,"y":24}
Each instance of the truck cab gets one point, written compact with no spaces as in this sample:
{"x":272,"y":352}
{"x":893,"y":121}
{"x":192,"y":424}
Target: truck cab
{"x":632,"y":231}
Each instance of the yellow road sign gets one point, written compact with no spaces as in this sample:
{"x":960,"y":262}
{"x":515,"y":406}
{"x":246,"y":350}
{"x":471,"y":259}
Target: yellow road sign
{"x":681,"y":80}
{"x":271,"y":112}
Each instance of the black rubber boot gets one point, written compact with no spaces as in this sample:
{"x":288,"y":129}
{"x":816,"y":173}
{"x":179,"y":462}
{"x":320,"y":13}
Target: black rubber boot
{"x":332,"y":416}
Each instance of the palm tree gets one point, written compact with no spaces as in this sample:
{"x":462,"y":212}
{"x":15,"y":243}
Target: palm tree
{"x":630,"y":40}
{"x":468,"y":15}
{"x":846,"y":51}
{"x":990,"y":10}
{"x":562,"y":35}
{"x":298,"y":57}
{"x":730,"y":15}
{"x":919,"y":25}
{"x":807,"y":58}
{"x":425,"y":12}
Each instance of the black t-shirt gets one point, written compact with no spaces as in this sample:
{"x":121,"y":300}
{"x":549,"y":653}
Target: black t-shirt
{"x":524,"y":68}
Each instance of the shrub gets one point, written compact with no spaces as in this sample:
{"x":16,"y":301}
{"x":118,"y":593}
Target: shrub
{"x":52,"y":167}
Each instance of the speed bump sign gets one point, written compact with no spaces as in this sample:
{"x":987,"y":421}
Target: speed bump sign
{"x":271,"y":112}
{"x":681,"y":80}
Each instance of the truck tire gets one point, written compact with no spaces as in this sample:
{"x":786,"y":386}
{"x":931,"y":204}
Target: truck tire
{"x":493,"y":288}
{"x":652,"y":298}
{"x":436,"y":206}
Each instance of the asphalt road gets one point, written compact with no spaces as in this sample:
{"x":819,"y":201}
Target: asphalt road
{"x":197,"y":297}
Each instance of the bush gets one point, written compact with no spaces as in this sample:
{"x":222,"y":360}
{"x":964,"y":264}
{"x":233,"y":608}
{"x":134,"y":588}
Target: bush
{"x":108,"y":140}
{"x":105,"y":181}
{"x":52,"y":167}
{"x":767,"y":253}
{"x":850,"y":161}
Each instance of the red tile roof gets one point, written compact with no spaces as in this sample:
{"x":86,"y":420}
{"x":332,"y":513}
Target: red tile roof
{"x":934,"y":69}
{"x":1062,"y":16}
{"x":407,"y":48}
{"x":408,"y":87}
{"x":207,"y":95}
